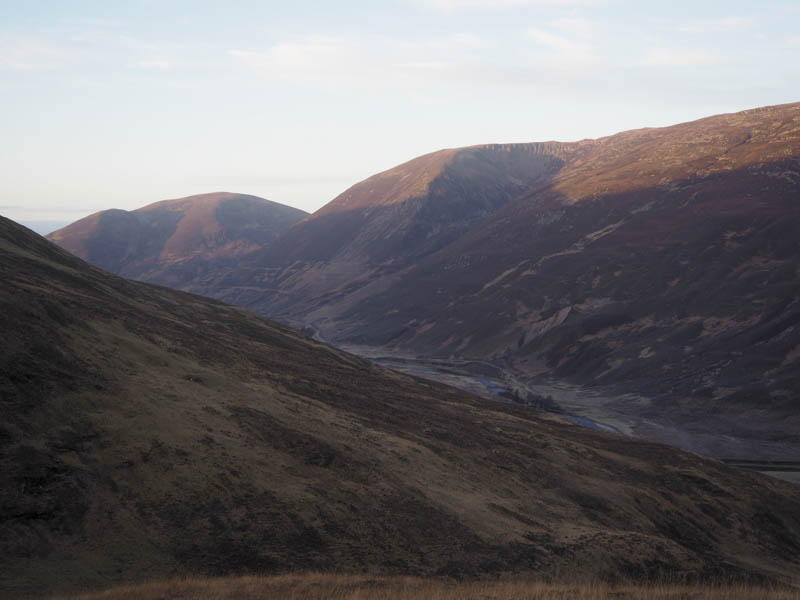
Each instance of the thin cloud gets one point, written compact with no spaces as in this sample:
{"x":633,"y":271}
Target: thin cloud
{"x":727,"y":24}
{"x":677,"y":57}
{"x":583,"y":28}
{"x":455,"y":5}
{"x":555,"y":42}
{"x":553,"y":59}
{"x":310,"y":56}
{"x":24,"y":53}
{"x":156,"y":64}
{"x":377,"y":59}
{"x":565,"y":51}
{"x":463,"y":40}
{"x":435,"y":49}
{"x":102,"y":22}
{"x":425,"y":66}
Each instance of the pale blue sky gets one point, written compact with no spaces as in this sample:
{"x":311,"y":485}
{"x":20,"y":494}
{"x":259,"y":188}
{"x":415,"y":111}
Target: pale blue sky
{"x":118,"y":104}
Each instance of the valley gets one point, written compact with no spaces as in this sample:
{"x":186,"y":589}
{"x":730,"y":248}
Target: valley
{"x":152,"y":433}
{"x":409,"y":300}
{"x":590,"y":407}
{"x":616,"y":322}
{"x":646,"y":280}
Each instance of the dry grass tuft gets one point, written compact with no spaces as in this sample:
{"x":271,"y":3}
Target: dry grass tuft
{"x":360,"y":587}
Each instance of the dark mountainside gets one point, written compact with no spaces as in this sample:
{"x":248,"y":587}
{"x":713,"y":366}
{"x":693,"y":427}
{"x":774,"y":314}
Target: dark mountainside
{"x":148,"y":432}
{"x":172,"y":242}
{"x":379,"y":227}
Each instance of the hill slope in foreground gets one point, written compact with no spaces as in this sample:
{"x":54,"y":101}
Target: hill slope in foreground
{"x":149,"y":433}
{"x":174,"y":241}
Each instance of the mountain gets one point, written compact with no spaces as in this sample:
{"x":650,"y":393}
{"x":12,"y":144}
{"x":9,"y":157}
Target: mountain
{"x":659,"y":269}
{"x":174,"y":241}
{"x":380,"y":226}
{"x":649,"y":280}
{"x":148,"y":432}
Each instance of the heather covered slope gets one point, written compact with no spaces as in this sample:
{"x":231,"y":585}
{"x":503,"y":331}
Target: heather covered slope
{"x":662,"y":263}
{"x":174,"y":241}
{"x":148,"y":433}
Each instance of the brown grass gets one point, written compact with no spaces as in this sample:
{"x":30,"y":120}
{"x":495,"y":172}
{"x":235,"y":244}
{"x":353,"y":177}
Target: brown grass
{"x":360,"y":587}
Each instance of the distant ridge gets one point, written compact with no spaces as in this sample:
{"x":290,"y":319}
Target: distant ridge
{"x":171,"y":241}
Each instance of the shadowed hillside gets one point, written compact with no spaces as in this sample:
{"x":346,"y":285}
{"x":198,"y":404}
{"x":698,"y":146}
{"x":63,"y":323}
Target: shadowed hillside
{"x":658,"y":263}
{"x":173,"y":242}
{"x":150,"y":433}
{"x":381,"y":226}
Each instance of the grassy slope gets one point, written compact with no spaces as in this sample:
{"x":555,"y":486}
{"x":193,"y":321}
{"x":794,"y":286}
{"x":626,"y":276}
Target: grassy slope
{"x":150,"y":433}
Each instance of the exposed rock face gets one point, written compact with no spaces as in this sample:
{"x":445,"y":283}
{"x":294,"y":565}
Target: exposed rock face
{"x":172,"y":242}
{"x":147,"y":433}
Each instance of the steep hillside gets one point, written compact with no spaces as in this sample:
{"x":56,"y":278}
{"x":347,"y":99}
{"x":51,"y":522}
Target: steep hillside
{"x":148,"y":433}
{"x":172,"y":242}
{"x":662,"y":263}
{"x":382,"y":225}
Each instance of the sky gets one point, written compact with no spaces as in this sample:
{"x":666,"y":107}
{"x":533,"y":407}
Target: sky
{"x":110,"y":104}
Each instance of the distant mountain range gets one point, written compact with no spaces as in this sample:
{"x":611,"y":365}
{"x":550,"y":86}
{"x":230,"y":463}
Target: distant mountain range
{"x":658,"y":267}
{"x":149,"y":433}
